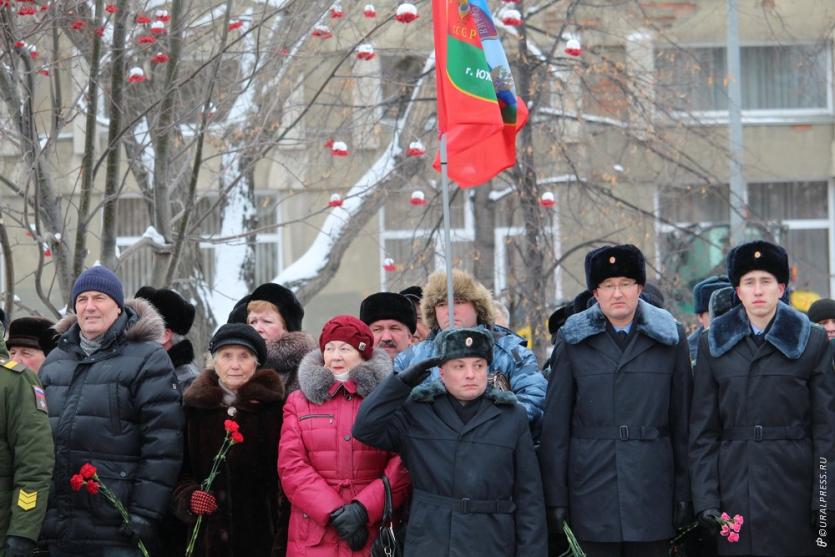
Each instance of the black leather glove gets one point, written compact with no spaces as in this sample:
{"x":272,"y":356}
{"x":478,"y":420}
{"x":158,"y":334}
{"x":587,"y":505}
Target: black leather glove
{"x":709,"y":519}
{"x":18,"y":547}
{"x":414,"y":375}
{"x":140,"y":529}
{"x":682,"y":514}
{"x":356,"y":541}
{"x":349,"y":518}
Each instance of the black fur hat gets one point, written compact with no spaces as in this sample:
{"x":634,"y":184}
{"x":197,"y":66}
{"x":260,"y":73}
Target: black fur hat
{"x":34,"y":332}
{"x":615,"y":261}
{"x":583,"y":301}
{"x":758,"y":256}
{"x":722,"y":301}
{"x":451,"y":344}
{"x":822,"y":309}
{"x":288,"y":305}
{"x":559,"y":317}
{"x":653,"y":295}
{"x":388,"y":305}
{"x":414,"y":293}
{"x":239,"y":334}
{"x":175,"y":310}
{"x":703,"y":290}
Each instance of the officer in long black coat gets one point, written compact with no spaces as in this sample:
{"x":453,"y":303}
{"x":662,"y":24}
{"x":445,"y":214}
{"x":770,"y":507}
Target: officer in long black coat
{"x":468,"y":448}
{"x":763,"y":418}
{"x":614,"y":438}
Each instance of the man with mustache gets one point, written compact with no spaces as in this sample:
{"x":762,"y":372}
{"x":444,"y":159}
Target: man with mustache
{"x":392,"y":319}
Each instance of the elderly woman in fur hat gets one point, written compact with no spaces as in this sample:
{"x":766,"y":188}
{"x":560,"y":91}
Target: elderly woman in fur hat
{"x":240,"y":511}
{"x":332,"y":480}
{"x":468,"y":447}
{"x":276,"y":313}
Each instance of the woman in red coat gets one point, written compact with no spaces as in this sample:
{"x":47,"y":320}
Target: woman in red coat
{"x":332,"y":480}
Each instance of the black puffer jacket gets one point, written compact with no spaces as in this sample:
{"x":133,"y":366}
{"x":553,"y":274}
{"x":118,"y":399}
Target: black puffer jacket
{"x":119,"y":409}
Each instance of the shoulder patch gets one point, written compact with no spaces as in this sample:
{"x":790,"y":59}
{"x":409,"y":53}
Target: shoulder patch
{"x":13,"y":366}
{"x":40,"y":398}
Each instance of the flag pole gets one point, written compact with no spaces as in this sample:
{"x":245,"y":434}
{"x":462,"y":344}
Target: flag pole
{"x":447,"y":239}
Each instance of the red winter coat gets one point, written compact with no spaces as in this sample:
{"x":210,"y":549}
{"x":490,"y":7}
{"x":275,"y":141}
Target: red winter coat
{"x":322,"y":467}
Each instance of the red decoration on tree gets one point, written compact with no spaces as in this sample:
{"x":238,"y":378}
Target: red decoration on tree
{"x":19,"y":44}
{"x":111,"y":8}
{"x":100,"y":30}
{"x":417,"y":198}
{"x":44,"y":71}
{"x":335,"y":201}
{"x":339,"y":149}
{"x":78,"y":25}
{"x":337,"y":11}
{"x":573,"y":48}
{"x":147,"y":39}
{"x":158,"y":28}
{"x":388,"y":265}
{"x":159,"y":58}
{"x":33,"y":51}
{"x":416,"y":149}
{"x":46,"y":251}
{"x":142,"y":19}
{"x":235,"y":24}
{"x":406,"y":13}
{"x":547,"y":199}
{"x":369,"y":11}
{"x":366,"y":52}
{"x":321,"y":31}
{"x":136,"y":75}
{"x":511,"y":17}
{"x":162,"y":15}
{"x":329,"y":143}
{"x":27,"y":10}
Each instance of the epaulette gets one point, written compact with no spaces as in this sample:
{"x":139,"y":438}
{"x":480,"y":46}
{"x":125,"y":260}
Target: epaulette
{"x":12,"y":365}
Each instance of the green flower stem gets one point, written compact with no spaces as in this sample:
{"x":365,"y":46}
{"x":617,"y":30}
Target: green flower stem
{"x":110,"y":496}
{"x":574,"y":549}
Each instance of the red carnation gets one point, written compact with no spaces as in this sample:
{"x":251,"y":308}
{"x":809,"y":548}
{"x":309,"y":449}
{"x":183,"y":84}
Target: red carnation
{"x":231,"y":426}
{"x":76,"y":482}
{"x":87,"y":471}
{"x":93,"y":487}
{"x":237,"y":437}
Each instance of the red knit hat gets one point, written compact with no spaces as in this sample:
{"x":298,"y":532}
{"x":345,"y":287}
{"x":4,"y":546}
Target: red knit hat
{"x":348,"y":328}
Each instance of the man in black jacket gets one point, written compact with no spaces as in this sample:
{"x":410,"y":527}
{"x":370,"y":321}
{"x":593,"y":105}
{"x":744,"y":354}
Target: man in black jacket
{"x":762,"y":427}
{"x":114,"y":402}
{"x":614,"y":436}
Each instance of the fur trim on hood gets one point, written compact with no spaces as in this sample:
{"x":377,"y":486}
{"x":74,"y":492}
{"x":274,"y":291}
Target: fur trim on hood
{"x":144,"y":322}
{"x":656,"y":323}
{"x":428,"y":392}
{"x":264,"y":386}
{"x":463,"y":286}
{"x":789,"y":332}
{"x":315,"y":380}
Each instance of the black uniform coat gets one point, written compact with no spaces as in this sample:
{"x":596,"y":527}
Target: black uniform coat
{"x":614,"y":437}
{"x":247,"y":488}
{"x":787,"y":387}
{"x":490,"y":460}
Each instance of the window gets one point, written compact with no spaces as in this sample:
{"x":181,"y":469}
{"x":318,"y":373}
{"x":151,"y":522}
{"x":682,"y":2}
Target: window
{"x":774,"y":77}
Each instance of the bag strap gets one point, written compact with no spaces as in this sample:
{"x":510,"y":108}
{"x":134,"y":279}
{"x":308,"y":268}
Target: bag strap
{"x":387,"y":506}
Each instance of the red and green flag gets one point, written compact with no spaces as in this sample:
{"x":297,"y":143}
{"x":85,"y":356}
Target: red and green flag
{"x":478,"y":109}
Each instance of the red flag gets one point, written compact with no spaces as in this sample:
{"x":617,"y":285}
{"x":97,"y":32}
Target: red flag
{"x":477,"y":108}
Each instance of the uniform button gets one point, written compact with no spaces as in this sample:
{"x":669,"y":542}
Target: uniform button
{"x":347,"y":437}
{"x":123,"y":474}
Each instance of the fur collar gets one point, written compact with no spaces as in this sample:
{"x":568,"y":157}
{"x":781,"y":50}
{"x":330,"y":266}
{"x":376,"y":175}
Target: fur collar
{"x":142,"y":324}
{"x":181,"y":353}
{"x":656,"y":323}
{"x":315,"y":380}
{"x":285,"y":354}
{"x":789,"y":332}
{"x":428,"y":392}
{"x":206,"y":393}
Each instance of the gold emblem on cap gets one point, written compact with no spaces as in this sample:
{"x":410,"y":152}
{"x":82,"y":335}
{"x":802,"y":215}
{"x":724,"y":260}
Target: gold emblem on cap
{"x":361,"y":346}
{"x":469,"y":341}
{"x":612,"y":260}
{"x":757,"y":254}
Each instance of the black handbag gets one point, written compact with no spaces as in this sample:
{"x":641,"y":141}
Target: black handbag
{"x":389,"y":542}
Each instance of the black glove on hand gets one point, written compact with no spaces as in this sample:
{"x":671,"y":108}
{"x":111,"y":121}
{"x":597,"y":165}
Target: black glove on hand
{"x":140,"y":529}
{"x":18,"y":547}
{"x":709,"y":519}
{"x":356,"y":541}
{"x":682,"y":515}
{"x":349,"y":518}
{"x":415,"y":374}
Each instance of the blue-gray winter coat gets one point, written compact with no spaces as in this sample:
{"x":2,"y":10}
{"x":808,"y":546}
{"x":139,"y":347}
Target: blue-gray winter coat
{"x":510,"y":357}
{"x":477,"y":487}
{"x":119,"y":409}
{"x":762,"y":431}
{"x":614,"y":433}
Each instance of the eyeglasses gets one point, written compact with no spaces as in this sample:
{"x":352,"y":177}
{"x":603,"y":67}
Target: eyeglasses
{"x":610,"y":288}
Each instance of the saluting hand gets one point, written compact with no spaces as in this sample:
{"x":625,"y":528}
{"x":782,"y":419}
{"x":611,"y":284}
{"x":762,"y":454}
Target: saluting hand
{"x":414,"y":375}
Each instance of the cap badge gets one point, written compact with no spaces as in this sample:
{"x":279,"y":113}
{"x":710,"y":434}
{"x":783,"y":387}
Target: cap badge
{"x":361,"y":347}
{"x":757,"y":254}
{"x":612,"y":260}
{"x":469,"y":341}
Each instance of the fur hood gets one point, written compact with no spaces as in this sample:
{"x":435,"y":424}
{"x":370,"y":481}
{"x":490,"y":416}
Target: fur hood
{"x":428,"y":392}
{"x":143,"y":322}
{"x":789,"y":332}
{"x":464,"y":286}
{"x":315,"y":380}
{"x":206,"y":393}
{"x":656,"y":323}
